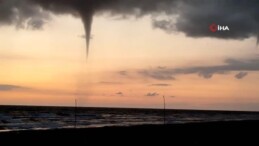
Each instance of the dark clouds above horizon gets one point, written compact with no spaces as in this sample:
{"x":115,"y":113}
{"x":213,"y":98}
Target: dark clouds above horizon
{"x":242,"y":67}
{"x":192,"y":17}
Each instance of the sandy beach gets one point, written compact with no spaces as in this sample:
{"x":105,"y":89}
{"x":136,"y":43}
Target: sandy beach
{"x":234,"y":132}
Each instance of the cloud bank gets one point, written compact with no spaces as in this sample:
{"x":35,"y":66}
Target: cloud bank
{"x":207,"y":72}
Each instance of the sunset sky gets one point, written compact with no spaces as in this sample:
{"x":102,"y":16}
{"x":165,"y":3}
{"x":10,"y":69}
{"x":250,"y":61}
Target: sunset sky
{"x":133,"y":61}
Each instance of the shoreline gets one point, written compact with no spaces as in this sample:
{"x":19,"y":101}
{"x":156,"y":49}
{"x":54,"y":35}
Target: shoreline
{"x":236,"y":122}
{"x":224,"y":131}
{"x":3,"y":107}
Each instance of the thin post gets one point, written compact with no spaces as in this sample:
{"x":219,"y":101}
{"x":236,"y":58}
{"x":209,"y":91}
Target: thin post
{"x":164,"y":109}
{"x":75,"y":122}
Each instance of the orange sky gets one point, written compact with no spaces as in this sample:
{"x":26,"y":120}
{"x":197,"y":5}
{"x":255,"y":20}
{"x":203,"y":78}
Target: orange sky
{"x":48,"y":67}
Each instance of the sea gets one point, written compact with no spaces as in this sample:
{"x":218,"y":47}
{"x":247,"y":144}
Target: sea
{"x":15,"y":118}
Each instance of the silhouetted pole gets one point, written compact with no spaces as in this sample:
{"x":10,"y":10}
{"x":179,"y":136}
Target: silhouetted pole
{"x":164,"y":109}
{"x":75,"y":122}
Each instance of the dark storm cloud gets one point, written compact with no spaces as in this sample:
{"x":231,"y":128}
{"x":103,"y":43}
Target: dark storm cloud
{"x":36,"y":24}
{"x":22,"y":13}
{"x":230,"y":65}
{"x":152,"y":94}
{"x":167,"y":25}
{"x":194,"y":18}
{"x":5,"y":87}
{"x":191,"y":17}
